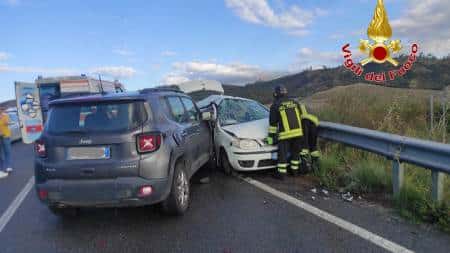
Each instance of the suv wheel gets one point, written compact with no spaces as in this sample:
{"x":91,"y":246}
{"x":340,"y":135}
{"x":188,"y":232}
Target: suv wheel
{"x":226,"y":166}
{"x":64,"y":211}
{"x":178,"y":200}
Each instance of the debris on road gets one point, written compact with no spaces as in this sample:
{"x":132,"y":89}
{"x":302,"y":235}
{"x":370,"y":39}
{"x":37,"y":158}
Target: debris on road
{"x":313,"y":198}
{"x":347,"y":197}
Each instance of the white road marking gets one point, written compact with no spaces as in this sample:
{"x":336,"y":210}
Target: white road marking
{"x":7,"y":215}
{"x":359,"y":231}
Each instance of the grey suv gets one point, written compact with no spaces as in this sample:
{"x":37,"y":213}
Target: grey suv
{"x":128,"y":149}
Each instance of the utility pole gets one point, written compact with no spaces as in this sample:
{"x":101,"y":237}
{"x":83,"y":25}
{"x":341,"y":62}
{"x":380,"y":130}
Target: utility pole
{"x":431,"y":115}
{"x":444,"y":115}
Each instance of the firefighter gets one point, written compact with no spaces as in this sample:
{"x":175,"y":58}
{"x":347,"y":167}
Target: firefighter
{"x":310,"y":124}
{"x":286,"y":130}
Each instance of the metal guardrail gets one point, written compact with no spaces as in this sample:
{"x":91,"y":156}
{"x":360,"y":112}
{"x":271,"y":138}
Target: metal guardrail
{"x":430,"y":155}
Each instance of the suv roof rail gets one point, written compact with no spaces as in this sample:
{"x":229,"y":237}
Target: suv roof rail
{"x":160,"y":89}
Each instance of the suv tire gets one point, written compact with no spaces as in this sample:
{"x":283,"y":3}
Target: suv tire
{"x":178,"y":200}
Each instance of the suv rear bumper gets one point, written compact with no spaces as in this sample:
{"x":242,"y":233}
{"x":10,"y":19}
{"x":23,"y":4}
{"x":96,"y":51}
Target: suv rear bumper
{"x":119,"y":192}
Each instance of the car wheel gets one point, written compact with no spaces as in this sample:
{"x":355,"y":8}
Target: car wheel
{"x":64,"y":212}
{"x":226,"y":166}
{"x":178,"y":200}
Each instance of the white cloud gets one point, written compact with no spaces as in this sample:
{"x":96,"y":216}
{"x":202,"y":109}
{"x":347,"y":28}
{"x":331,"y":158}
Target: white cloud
{"x":168,"y":53}
{"x":12,"y":2}
{"x":427,"y":23}
{"x":123,"y":52}
{"x":307,"y":58}
{"x":4,"y":56}
{"x":311,"y":58}
{"x":115,"y":71}
{"x":37,"y":70}
{"x":294,"y":19}
{"x":235,"y":73}
{"x":111,"y":71}
{"x":173,"y":78}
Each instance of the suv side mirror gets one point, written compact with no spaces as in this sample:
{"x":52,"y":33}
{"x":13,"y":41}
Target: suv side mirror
{"x":207,"y":116}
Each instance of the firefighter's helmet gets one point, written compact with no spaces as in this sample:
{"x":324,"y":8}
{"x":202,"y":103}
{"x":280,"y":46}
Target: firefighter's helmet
{"x":280,"y":91}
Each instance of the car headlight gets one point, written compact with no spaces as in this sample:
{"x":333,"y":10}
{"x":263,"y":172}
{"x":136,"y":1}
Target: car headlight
{"x":245,"y":144}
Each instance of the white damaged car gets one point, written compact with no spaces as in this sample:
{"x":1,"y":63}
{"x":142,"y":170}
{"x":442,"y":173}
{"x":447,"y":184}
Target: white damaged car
{"x":240,"y":128}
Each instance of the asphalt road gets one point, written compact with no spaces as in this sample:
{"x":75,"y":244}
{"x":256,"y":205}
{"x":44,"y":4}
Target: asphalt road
{"x":227,"y":215}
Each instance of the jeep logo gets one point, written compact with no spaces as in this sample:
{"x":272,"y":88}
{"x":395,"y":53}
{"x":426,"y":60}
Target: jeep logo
{"x":85,"y":141}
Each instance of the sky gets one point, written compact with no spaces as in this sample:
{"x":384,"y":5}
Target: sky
{"x":148,"y":43}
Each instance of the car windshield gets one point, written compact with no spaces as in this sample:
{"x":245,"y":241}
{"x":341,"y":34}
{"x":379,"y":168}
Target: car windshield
{"x":236,"y":111}
{"x":103,"y":117}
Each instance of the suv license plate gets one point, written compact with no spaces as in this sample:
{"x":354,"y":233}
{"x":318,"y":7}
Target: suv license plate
{"x":88,"y":153}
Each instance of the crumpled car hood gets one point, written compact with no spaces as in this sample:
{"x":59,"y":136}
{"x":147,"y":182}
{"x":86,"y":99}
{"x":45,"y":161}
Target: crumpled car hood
{"x":256,"y":130}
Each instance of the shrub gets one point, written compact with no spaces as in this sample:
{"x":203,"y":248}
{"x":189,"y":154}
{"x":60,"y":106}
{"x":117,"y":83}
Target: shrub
{"x":330,"y":171}
{"x":370,"y":176}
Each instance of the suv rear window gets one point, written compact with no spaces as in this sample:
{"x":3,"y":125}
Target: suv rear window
{"x":96,"y":117}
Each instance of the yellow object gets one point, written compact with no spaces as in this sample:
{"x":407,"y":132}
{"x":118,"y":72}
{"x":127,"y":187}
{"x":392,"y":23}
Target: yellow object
{"x":315,"y":154}
{"x":304,"y":152}
{"x":273,"y":129}
{"x":291,"y":134}
{"x":306,"y":115}
{"x":4,"y":125}
{"x":295,"y":164}
{"x":379,"y":31}
{"x":287,"y":132}
{"x":282,"y":167}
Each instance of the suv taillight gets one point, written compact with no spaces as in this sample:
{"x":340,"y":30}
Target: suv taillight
{"x":148,"y":142}
{"x":39,"y":147}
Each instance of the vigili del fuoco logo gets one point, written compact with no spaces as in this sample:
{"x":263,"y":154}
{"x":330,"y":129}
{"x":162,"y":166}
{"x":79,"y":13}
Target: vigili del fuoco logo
{"x":379,"y":49}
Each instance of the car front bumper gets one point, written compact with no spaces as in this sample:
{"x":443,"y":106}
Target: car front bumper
{"x":253,"y":160}
{"x":119,"y":192}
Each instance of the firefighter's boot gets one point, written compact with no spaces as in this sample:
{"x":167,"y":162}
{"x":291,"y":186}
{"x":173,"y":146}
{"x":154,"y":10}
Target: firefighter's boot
{"x":295,"y":167}
{"x":281,"y":171}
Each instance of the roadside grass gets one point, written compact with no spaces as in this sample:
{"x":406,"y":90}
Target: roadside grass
{"x":414,"y":203}
{"x":370,"y":176}
{"x":343,"y":169}
{"x":397,"y":111}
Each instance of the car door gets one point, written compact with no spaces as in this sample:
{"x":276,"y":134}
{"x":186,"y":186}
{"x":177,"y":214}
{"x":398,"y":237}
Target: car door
{"x":203,"y":138}
{"x":188,"y":130}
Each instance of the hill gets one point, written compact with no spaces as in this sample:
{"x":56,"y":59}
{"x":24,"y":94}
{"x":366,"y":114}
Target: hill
{"x":428,"y":72}
{"x":8,"y":103}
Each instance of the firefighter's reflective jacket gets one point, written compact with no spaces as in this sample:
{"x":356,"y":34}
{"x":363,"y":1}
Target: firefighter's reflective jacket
{"x":285,"y":120}
{"x":306,"y":115}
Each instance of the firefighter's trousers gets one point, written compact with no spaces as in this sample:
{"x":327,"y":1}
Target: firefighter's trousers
{"x":289,"y":148}
{"x":310,"y":133}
